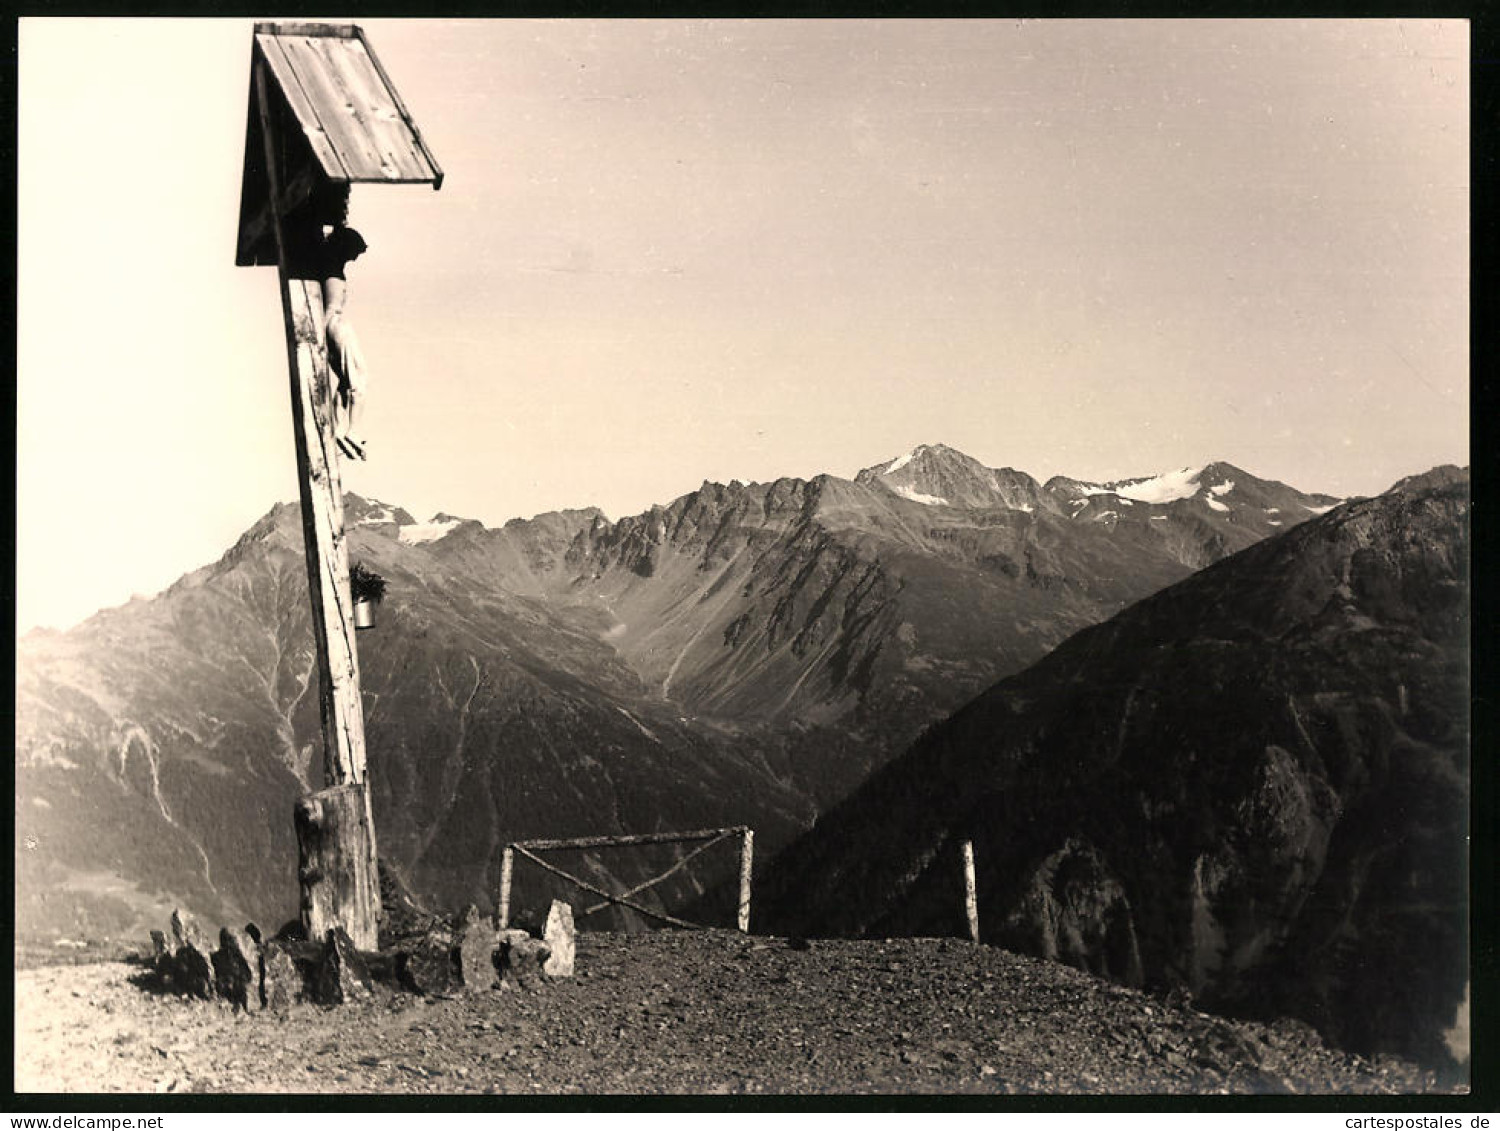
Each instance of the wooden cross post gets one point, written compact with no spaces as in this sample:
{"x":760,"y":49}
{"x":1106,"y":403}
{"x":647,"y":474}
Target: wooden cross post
{"x":354,"y":899}
{"x":323,"y":111}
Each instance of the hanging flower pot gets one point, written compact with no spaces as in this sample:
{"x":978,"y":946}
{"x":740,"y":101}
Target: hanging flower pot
{"x":364,"y":614}
{"x":367,"y":588}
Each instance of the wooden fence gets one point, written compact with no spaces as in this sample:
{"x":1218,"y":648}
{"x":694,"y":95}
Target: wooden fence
{"x":528,"y":849}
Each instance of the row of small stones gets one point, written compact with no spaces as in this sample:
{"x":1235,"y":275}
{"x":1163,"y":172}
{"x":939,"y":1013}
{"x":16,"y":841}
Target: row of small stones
{"x":252,"y":973}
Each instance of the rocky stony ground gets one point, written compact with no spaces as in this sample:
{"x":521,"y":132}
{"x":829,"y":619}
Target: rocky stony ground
{"x":702,"y":1012}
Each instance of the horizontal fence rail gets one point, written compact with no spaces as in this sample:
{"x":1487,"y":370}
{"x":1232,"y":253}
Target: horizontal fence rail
{"x":528,"y":849}
{"x":624,"y":841}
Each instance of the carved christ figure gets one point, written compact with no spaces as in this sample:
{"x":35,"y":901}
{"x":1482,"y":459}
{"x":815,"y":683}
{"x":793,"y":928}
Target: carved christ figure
{"x":323,"y":245}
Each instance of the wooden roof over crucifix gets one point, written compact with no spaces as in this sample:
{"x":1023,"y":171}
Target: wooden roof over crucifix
{"x":341,"y":119}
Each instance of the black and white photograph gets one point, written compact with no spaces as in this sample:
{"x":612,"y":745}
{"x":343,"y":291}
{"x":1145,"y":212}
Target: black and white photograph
{"x":742,"y":558}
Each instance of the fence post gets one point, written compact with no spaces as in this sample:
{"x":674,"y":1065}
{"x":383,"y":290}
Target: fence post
{"x":507,"y":864}
{"x":971,"y":898}
{"x":747,"y":849}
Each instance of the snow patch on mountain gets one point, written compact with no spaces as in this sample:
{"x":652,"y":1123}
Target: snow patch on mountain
{"x":419,"y":532}
{"x":901,"y":461}
{"x":1218,"y":506}
{"x":920,"y":497}
{"x":1223,"y":488}
{"x":1167,"y":488}
{"x":1319,"y":510}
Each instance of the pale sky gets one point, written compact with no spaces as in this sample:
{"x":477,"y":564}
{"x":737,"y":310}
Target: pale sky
{"x":670,"y":251}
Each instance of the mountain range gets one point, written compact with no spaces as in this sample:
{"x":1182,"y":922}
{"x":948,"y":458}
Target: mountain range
{"x":747,"y":654}
{"x":1251,"y":786}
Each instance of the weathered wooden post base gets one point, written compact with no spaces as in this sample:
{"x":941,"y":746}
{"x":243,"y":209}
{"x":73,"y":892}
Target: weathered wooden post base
{"x":335,"y":862}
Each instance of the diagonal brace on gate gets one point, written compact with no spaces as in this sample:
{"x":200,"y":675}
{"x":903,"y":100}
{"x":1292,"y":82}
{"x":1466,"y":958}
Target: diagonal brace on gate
{"x":702,"y":848}
{"x":529,"y":849}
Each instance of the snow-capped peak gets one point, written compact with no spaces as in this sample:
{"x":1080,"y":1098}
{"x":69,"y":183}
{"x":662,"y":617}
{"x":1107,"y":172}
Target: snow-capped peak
{"x":937,"y":475}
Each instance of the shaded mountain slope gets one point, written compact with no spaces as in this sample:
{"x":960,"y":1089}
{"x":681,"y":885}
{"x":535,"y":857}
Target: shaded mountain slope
{"x":1252,"y":785}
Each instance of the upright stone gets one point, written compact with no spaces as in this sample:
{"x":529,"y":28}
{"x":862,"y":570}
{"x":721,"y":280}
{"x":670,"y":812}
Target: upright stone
{"x":561,"y":940}
{"x":194,"y":973}
{"x":185,"y":928}
{"x":237,"y":969}
{"x":476,"y":954}
{"x":281,"y":977}
{"x":342,"y":975}
{"x":193,"y":966}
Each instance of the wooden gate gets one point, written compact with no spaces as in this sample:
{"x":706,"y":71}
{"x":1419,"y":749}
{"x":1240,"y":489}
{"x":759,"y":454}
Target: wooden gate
{"x":529,"y":849}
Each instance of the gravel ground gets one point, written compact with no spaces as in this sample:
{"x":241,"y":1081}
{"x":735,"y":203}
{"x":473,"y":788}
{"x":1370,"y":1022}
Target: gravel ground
{"x":701,"y":1012}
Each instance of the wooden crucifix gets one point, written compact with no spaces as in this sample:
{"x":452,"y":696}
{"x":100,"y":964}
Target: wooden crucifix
{"x":323,"y":114}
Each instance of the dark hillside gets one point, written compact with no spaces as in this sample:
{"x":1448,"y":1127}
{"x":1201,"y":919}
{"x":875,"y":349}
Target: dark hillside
{"x":1252,"y":785}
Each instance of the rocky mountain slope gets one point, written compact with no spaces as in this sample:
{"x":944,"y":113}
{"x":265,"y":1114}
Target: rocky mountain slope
{"x":162,"y":745}
{"x":1251,"y":785}
{"x":745,"y":655}
{"x":830,"y":610}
